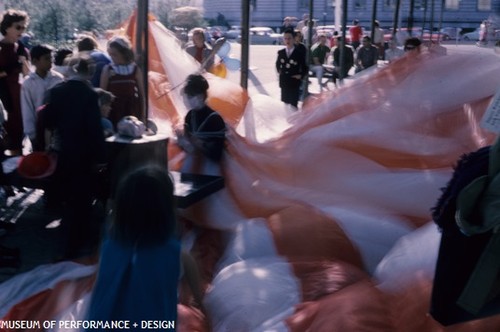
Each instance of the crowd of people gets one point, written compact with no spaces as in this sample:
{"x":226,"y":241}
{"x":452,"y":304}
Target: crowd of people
{"x":65,"y":102}
{"x":31,"y":78}
{"x":295,"y":63}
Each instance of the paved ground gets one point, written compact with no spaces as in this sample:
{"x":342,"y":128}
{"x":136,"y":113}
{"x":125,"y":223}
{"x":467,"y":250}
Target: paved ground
{"x":35,"y":231}
{"x":30,"y":230}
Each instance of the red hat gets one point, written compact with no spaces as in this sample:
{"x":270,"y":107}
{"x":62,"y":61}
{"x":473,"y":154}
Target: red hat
{"x":37,"y":165}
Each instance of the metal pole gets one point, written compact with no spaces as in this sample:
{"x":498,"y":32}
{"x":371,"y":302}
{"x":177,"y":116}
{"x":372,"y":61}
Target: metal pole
{"x":441,"y":19}
{"x":310,"y":23}
{"x":396,"y":18}
{"x":374,"y":17}
{"x":245,"y":38}
{"x":282,"y":12}
{"x":432,"y":19}
{"x":142,"y":46}
{"x":342,"y":49}
{"x":411,"y":17}
{"x":424,"y":19}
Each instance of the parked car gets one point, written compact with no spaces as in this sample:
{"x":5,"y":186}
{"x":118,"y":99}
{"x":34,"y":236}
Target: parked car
{"x":233,"y":33}
{"x":264,"y":36}
{"x":451,"y":33}
{"x":327,"y":30}
{"x":474,"y":35}
{"x":425,"y":35}
{"x":216,"y":32}
{"x":387,"y":34}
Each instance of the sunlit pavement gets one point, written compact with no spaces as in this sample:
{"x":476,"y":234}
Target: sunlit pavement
{"x":31,"y":229}
{"x":264,"y":79}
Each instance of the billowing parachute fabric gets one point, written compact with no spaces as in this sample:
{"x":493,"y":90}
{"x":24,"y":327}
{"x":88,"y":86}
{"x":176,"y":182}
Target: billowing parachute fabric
{"x":326,"y":213}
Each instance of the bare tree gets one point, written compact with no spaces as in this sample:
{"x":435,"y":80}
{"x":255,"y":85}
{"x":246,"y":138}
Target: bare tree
{"x":56,"y":21}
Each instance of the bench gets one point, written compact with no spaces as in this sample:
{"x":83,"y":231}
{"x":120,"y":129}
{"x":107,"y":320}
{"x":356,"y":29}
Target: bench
{"x":329,"y":74}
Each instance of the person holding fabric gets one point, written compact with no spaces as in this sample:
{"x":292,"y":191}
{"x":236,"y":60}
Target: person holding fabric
{"x":292,"y":68}
{"x":34,"y":88}
{"x":200,"y":50}
{"x":124,"y":79}
{"x":141,"y":261}
{"x":203,"y":137}
{"x":14,"y":64}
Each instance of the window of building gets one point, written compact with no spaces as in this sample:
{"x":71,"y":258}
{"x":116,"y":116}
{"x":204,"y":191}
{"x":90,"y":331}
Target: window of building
{"x":389,"y":4}
{"x":452,"y":4}
{"x":483,"y":4}
{"x":420,"y":4}
{"x":253,"y":4}
{"x":360,"y":4}
{"x":303,"y":4}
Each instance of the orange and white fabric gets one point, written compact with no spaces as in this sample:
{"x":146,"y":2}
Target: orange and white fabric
{"x":326,"y":211}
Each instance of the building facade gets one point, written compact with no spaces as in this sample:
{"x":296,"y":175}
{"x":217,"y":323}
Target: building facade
{"x":454,"y":13}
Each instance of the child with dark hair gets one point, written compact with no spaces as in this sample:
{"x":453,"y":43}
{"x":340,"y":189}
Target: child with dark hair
{"x":105,"y":101}
{"x":89,"y":45}
{"x":140,"y":261}
{"x":35,"y":87}
{"x":412,"y":44}
{"x":204,"y":131}
{"x":123,"y":78}
{"x":62,"y":55}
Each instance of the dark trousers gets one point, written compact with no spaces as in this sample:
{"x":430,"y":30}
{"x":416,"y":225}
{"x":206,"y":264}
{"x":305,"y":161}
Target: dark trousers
{"x":75,"y":187}
{"x":290,"y":95}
